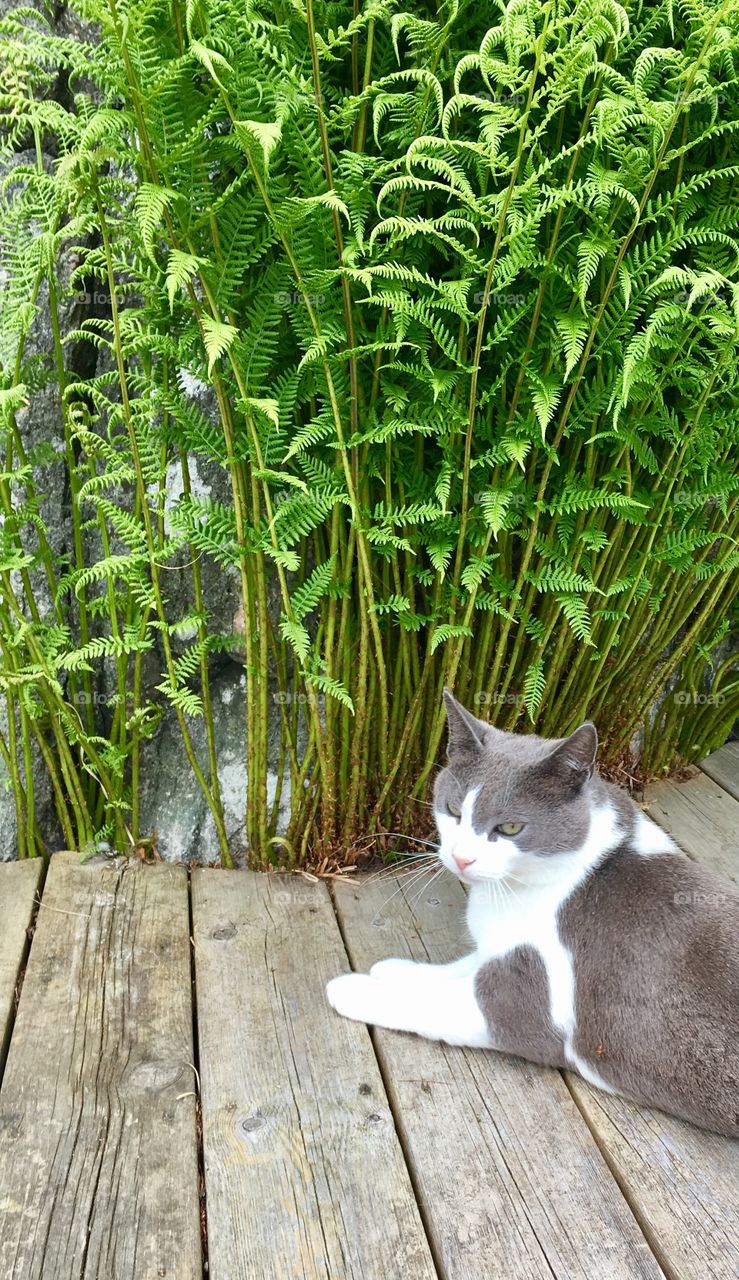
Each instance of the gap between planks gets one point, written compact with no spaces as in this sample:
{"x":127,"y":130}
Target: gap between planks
{"x":22,"y":886}
{"x":200,"y":1156}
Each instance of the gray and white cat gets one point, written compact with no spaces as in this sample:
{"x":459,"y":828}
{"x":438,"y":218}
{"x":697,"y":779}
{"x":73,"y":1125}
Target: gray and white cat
{"x":598,"y":945}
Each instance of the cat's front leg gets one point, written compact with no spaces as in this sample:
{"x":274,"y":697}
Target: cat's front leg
{"x":445,"y":1009}
{"x":404,"y":968}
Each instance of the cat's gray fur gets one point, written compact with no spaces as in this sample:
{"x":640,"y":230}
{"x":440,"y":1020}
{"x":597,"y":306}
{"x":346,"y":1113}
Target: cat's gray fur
{"x":654,"y":939}
{"x":598,"y":946}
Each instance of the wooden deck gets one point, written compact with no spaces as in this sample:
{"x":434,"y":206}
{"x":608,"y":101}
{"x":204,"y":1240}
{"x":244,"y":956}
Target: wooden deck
{"x":178,"y":1100}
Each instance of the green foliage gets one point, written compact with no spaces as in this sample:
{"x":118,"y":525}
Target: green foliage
{"x":464,"y":285}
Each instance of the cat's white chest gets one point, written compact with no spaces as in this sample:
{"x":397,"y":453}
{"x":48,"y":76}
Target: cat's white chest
{"x":515,"y":920}
{"x":500,"y":921}
{"x":528,"y":920}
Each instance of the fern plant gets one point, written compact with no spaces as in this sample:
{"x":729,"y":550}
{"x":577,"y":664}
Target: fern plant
{"x":466,"y":298}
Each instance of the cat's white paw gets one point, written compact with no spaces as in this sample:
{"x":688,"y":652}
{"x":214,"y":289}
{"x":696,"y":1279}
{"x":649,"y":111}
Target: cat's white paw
{"x":393,"y":968}
{"x":351,"y":995}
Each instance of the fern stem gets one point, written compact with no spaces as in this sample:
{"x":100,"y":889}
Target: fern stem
{"x":199,"y":603}
{"x":150,"y":541}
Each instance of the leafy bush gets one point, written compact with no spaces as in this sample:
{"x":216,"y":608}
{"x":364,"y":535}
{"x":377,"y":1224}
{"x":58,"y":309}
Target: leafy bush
{"x":466,"y":297}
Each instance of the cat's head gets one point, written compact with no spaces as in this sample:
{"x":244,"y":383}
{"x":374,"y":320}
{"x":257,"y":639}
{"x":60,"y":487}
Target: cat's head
{"x":505,"y":801}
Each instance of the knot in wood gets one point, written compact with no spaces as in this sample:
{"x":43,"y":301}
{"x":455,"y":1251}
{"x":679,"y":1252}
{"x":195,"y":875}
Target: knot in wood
{"x":223,"y":932}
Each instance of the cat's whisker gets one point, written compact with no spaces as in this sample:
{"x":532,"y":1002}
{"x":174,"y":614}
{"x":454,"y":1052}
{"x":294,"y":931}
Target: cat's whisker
{"x":406,"y":882}
{"x":492,"y":895}
{"x":401,"y":835}
{"x":516,"y":880}
{"x":389,"y":872}
{"x":382,"y":907}
{"x":401,"y":858}
{"x":416,"y":875}
{"x":403,"y":861}
{"x":425,"y":887}
{"x":507,"y":894}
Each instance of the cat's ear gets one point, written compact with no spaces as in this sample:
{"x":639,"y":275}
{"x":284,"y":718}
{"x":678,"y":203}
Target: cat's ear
{"x":466,"y":732}
{"x":573,"y":760}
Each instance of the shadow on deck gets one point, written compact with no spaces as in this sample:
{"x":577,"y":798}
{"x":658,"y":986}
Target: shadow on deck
{"x":177,"y":1110}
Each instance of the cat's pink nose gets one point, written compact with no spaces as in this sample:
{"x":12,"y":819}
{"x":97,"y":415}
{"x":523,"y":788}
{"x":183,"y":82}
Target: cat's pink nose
{"x":461,"y":861}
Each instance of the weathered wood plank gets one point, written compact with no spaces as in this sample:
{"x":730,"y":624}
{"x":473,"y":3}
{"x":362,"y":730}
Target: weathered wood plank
{"x":723,"y":767}
{"x":19,"y":882}
{"x":98,"y":1155}
{"x":701,"y":817}
{"x":509,"y":1178}
{"x":682,"y":1183}
{"x":304,"y":1173}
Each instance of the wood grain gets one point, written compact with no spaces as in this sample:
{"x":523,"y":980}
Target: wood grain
{"x":682,"y":1183}
{"x":98,"y":1157}
{"x":304,"y":1173}
{"x":723,"y":767}
{"x":509,"y":1178}
{"x":19,"y":882}
{"x":701,"y":817}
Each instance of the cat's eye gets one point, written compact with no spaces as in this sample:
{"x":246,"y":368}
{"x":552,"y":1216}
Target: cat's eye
{"x":454,"y":809}
{"x":510,"y":828}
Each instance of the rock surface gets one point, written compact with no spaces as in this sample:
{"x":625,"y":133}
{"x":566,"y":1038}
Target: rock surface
{"x":172,"y":804}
